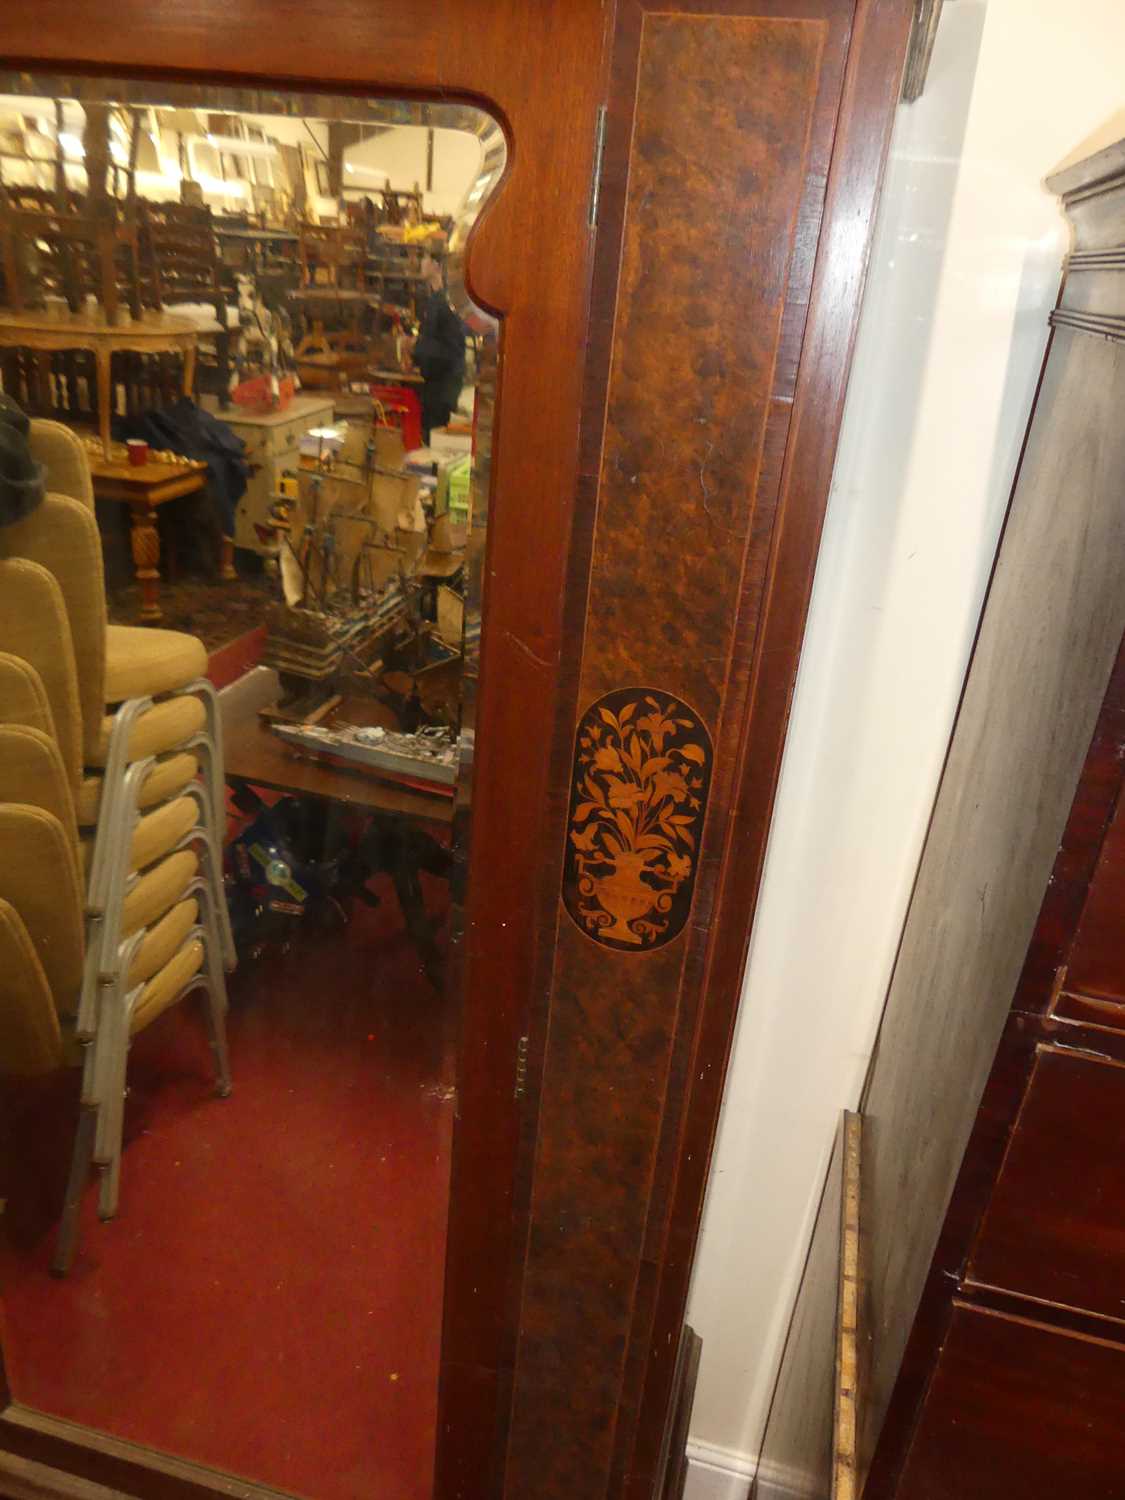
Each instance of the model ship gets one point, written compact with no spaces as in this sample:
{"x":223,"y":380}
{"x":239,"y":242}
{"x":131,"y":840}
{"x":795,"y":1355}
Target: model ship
{"x":372,"y":604}
{"x":428,"y":757}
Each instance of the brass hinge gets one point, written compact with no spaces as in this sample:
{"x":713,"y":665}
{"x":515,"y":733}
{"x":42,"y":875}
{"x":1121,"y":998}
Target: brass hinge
{"x":521,"y":1067}
{"x":599,"y":156}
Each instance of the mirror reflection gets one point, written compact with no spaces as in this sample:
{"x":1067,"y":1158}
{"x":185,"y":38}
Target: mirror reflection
{"x":245,"y":425}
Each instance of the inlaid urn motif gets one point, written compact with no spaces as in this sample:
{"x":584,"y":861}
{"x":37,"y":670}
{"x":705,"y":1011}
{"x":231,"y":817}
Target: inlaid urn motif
{"x":642,"y":771}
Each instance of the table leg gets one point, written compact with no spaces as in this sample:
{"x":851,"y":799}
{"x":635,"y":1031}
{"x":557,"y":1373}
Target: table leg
{"x":226,"y":559}
{"x":101,"y":361}
{"x":189,"y":371}
{"x":43,"y":382}
{"x":107,"y":259}
{"x":146,"y":558}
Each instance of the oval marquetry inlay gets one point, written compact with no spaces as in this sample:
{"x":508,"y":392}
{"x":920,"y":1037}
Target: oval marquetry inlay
{"x":642,"y":770}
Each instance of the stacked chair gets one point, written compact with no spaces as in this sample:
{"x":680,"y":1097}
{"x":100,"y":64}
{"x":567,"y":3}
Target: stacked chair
{"x":180,"y":263}
{"x":112,"y":815}
{"x":332,"y":255}
{"x":61,"y":245}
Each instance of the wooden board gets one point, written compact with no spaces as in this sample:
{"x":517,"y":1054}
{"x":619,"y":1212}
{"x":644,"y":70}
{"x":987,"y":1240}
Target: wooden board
{"x":852,"y":1333}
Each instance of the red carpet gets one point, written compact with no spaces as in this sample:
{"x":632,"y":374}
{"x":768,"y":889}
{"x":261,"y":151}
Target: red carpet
{"x":268,"y":1301}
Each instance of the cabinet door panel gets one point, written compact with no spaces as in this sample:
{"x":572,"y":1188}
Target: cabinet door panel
{"x":1097,"y":960}
{"x":1019,"y":1409}
{"x":1055,"y":1228}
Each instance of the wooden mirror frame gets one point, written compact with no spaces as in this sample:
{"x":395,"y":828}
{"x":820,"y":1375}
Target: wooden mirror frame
{"x":575,"y":1206}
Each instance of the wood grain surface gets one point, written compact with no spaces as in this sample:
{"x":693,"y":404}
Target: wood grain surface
{"x":1030,"y":1026}
{"x":1053,"y":1228}
{"x":716,"y":179}
{"x":979,"y":986}
{"x":743,"y":157}
{"x":538,"y":70}
{"x":1020,"y":1408}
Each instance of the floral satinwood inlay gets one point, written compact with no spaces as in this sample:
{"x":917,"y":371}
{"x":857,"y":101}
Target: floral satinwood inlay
{"x":641,"y":774}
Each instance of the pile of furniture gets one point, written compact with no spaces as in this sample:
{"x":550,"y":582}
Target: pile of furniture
{"x":112,"y":816}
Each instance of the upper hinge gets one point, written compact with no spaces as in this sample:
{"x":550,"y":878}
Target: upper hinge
{"x":599,"y":156}
{"x":521,"y":1067}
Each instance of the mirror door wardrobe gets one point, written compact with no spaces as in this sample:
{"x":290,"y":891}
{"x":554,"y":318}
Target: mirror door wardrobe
{"x":281,"y":327}
{"x":520,"y":994}
{"x":263,"y":1310}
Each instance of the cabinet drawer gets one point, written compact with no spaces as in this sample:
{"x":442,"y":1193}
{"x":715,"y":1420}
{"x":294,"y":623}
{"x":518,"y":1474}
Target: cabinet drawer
{"x":1055,"y":1227}
{"x":1016,"y":1409}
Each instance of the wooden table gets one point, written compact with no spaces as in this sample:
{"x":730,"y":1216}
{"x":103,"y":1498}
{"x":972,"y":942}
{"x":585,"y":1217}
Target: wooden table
{"x":414,"y":825}
{"x":255,"y":756}
{"x":155,"y":333}
{"x":145,"y":487}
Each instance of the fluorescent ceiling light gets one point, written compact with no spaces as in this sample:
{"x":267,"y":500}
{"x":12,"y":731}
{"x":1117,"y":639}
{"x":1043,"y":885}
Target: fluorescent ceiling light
{"x":238,"y":147}
{"x":232,"y":186}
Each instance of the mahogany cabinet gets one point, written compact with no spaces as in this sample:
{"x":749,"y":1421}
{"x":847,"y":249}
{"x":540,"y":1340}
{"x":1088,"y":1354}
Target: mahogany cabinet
{"x":676,"y":254}
{"x":991,"y":1304}
{"x":1007,"y":1295}
{"x":1014,"y":1378}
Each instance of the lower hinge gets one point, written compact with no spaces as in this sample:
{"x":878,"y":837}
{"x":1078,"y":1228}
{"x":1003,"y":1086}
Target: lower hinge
{"x":521,"y":1067}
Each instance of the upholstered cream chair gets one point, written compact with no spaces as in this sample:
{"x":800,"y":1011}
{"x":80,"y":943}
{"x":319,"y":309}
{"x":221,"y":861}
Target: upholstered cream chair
{"x":64,"y":458}
{"x":120,"y":673}
{"x":150,"y":949}
{"x":175,"y":956}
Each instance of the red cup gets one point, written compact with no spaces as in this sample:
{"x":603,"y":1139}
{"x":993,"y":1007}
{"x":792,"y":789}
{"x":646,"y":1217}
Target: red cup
{"x":138,"y":451}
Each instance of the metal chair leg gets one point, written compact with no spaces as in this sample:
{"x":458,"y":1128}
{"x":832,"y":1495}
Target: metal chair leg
{"x":106,"y":891}
{"x":202,"y":746}
{"x":201,"y":833}
{"x":112,"y":776}
{"x":217,"y":1036}
{"x":110,"y":1073}
{"x":67,"y":1241}
{"x":216,"y":987}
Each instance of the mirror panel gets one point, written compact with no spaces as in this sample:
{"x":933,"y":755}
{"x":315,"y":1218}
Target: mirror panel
{"x":273,"y":1254}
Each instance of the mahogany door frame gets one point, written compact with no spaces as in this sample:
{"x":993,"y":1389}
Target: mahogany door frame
{"x":532,"y":260}
{"x":763,"y":670}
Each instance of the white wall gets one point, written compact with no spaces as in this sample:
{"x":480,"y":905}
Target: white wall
{"x":965,"y":270}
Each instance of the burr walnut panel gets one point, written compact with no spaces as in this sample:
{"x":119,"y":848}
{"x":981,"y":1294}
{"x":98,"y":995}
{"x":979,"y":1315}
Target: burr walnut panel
{"x":713,"y":277}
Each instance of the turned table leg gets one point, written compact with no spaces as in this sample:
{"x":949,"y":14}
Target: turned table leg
{"x":101,"y":362}
{"x":189,"y":370}
{"x":226,"y":559}
{"x":146,"y":558}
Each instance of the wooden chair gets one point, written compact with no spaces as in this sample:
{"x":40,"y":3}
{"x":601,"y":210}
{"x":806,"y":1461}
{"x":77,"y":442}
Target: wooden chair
{"x":180,"y":263}
{"x":332,"y":255}
{"x":70,"y":250}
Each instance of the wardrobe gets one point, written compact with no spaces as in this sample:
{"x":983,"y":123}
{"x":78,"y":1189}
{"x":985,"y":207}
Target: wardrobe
{"x":659,"y":472}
